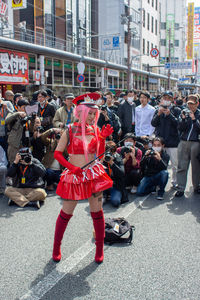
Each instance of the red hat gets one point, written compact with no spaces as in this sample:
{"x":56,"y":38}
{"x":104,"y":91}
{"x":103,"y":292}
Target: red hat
{"x":87,"y":99}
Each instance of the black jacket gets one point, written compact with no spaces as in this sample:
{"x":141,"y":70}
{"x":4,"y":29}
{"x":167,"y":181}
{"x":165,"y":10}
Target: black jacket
{"x":113,"y":121}
{"x":118,"y":172}
{"x":33,"y":175}
{"x":47,"y":116}
{"x":125,"y":113}
{"x":189,"y":129}
{"x":167,"y":126}
{"x":151,"y":166}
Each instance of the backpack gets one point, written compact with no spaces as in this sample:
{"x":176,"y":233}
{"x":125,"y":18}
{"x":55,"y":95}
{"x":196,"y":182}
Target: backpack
{"x":115,"y":229}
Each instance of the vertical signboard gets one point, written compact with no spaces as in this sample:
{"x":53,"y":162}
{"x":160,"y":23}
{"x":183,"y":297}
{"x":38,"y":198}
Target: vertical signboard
{"x":17,"y":4}
{"x":190,"y":30}
{"x":170,"y":33}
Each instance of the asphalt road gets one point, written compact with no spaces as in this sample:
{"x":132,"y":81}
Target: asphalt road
{"x":162,"y":263}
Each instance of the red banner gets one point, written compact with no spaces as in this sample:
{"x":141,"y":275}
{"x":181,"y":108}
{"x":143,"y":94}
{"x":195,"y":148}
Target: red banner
{"x":13,"y":67}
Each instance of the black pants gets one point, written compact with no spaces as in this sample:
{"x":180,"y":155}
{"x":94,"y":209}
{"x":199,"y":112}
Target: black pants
{"x":133,"y":178}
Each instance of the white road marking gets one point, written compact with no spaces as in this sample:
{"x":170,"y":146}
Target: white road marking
{"x":61,"y":269}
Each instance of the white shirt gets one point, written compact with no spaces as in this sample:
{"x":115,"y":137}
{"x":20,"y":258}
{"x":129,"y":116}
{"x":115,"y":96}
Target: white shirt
{"x":143,"y":117}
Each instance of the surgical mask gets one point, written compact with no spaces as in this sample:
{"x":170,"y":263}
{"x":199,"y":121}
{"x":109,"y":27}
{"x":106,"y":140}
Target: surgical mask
{"x":150,"y":145}
{"x":166,"y":102}
{"x":130,"y":100}
{"x":158,"y":149}
{"x":43,"y":103}
{"x":128,"y":144}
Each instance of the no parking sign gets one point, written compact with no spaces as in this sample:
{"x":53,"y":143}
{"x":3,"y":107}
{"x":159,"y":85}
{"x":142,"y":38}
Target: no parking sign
{"x":154,"y":52}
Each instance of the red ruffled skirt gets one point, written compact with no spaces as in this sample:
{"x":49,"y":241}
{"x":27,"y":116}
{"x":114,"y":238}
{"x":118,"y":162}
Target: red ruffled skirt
{"x":94,"y":179}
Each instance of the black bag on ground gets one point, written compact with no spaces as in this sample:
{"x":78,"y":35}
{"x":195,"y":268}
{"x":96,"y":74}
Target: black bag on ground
{"x":115,"y":229}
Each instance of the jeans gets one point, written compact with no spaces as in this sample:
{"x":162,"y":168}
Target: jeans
{"x":52,"y":176}
{"x":115,"y":196}
{"x":148,"y":183}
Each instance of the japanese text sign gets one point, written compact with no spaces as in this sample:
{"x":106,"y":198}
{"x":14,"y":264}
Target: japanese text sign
{"x":13,"y":67}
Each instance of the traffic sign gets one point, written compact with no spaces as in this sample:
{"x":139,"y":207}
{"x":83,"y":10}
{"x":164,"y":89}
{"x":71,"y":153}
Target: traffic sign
{"x":154,"y":52}
{"x":110,"y":43}
{"x":81,"y":78}
{"x":180,"y":65}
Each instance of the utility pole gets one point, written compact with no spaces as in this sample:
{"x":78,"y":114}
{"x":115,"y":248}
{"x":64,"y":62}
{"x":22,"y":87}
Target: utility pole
{"x":169,"y":61}
{"x":128,"y":47}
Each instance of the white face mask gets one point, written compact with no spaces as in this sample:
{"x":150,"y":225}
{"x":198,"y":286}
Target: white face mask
{"x":166,"y":102}
{"x":130,"y":100}
{"x":43,"y":102}
{"x":150,"y":145}
{"x":128,"y":144}
{"x":158,"y":149}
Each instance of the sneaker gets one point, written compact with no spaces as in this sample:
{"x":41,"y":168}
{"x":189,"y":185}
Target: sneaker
{"x":134,"y":190}
{"x":160,"y":195}
{"x":10,"y":202}
{"x":38,"y":204}
{"x":179,"y":194}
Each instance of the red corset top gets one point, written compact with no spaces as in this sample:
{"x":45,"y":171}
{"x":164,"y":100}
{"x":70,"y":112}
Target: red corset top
{"x":75,"y":145}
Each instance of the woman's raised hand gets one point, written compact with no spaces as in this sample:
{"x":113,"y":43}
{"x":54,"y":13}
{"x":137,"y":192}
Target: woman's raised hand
{"x":106,"y":131}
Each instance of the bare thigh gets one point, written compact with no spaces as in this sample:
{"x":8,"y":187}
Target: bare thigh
{"x":95,"y":202}
{"x":69,"y":206}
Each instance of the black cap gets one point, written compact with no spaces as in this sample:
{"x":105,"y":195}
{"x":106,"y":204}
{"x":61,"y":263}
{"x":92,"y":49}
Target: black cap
{"x":168,"y":93}
{"x":50,"y":93}
{"x":22,"y":102}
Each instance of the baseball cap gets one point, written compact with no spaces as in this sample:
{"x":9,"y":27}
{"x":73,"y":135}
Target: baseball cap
{"x":168,"y":93}
{"x":192,"y":98}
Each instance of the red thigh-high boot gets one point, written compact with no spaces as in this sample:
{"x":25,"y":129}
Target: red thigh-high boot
{"x":61,"y":225}
{"x":99,"y":227}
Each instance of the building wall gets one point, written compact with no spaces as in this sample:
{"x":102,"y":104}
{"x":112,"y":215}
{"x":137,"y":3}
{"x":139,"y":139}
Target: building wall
{"x":150,"y":39}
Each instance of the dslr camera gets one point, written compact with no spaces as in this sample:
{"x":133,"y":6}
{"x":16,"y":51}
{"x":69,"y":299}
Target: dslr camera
{"x":151,"y":153}
{"x":186,"y":113}
{"x":40,"y":129}
{"x":108,"y":156}
{"x":103,"y":108}
{"x":26,"y":155}
{"x":32,"y":118}
{"x":125,"y":149}
{"x":54,"y":135}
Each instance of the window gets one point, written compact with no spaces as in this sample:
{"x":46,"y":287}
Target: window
{"x":151,"y":45}
{"x":163,"y":42}
{"x":144,"y":17}
{"x":156,"y":4}
{"x":148,"y":48}
{"x":163,"y":25}
{"x":156,"y":27}
{"x":152,"y":24}
{"x":176,"y":43}
{"x":143,"y":46}
{"x":176,"y":26}
{"x":148,"y":21}
{"x":152,"y":3}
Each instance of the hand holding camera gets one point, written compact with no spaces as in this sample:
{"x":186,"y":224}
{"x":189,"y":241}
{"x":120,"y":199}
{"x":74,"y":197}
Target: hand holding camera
{"x":17,"y":158}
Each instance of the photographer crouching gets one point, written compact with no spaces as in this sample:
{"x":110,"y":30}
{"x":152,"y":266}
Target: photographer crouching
{"x":131,"y":156}
{"x":115,"y":169}
{"x":154,"y":169}
{"x":28,"y":173}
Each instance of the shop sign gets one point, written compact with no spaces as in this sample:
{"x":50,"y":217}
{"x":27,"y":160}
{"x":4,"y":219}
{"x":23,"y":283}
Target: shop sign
{"x":13,"y":67}
{"x":3,"y":8}
{"x":113,"y":73}
{"x":17,"y":4}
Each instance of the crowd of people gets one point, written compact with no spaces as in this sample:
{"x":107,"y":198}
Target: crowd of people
{"x":148,"y":133}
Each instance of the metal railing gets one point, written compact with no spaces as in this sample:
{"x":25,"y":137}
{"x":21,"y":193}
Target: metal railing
{"x":29,"y":36}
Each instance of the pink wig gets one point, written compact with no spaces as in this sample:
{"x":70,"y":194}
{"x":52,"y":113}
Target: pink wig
{"x":81,"y":113}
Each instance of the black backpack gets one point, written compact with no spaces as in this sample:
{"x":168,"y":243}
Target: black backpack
{"x":115,"y":229}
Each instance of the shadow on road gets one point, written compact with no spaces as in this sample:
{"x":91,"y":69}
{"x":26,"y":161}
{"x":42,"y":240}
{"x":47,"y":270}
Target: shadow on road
{"x":71,"y":285}
{"x":188,"y":203}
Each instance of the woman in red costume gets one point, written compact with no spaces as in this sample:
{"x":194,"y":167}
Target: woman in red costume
{"x":84,"y":142}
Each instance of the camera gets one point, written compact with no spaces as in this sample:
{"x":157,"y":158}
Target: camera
{"x":103,"y":108}
{"x":25,"y":155}
{"x":40,"y":129}
{"x":186,"y":113}
{"x":108,"y":156}
{"x":151,"y":153}
{"x":164,"y":106}
{"x":125,"y":149}
{"x":55,"y":135}
{"x":32,"y":117}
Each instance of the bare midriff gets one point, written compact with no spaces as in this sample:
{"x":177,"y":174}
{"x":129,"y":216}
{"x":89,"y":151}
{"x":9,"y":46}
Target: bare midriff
{"x":79,"y":160}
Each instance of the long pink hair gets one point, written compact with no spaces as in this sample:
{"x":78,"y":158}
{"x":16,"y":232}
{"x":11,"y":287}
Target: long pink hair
{"x":81,"y":113}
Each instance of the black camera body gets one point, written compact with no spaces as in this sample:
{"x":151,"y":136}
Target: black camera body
{"x":151,"y":153}
{"x":54,"y":135}
{"x":40,"y":129}
{"x":165,"y":106}
{"x":25,"y":155}
{"x":103,"y":107}
{"x":108,"y":156}
{"x":32,"y":118}
{"x":186,"y":113}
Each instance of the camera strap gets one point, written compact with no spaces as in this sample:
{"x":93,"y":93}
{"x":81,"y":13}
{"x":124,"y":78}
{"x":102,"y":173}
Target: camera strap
{"x":23,"y":180}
